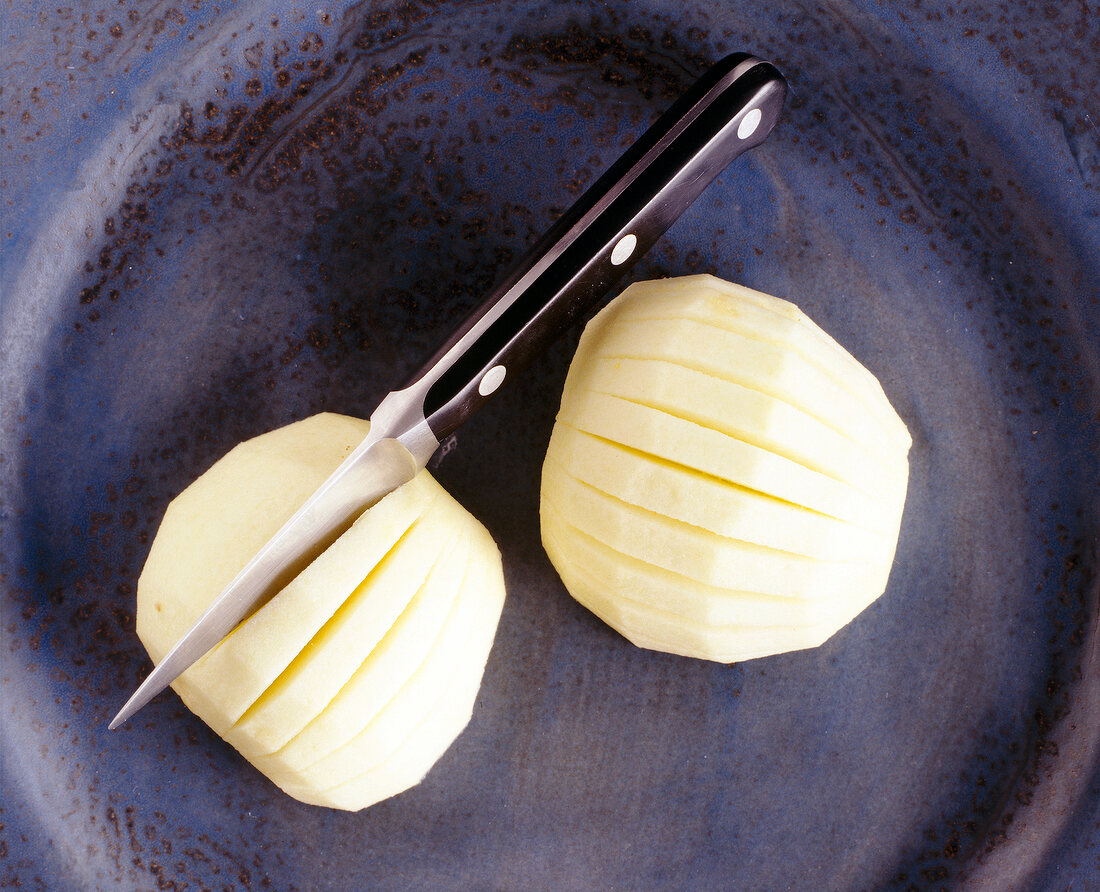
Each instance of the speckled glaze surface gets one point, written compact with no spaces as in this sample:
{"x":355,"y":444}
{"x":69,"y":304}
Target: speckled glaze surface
{"x":218,"y":218}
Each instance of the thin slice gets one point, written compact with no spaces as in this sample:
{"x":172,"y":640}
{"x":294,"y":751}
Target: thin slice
{"x":753,"y":364}
{"x":408,"y":764}
{"x":385,"y":671}
{"x":712,"y":452}
{"x":740,"y":412}
{"x":657,"y":629}
{"x":400,"y":727}
{"x":733,"y":307}
{"x":682,"y":493}
{"x":337,"y":651}
{"x":647,"y":584}
{"x":444,"y":721}
{"x":229,"y":679}
{"x":691,"y":551}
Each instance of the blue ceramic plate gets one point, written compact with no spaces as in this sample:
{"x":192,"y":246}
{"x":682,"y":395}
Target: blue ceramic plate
{"x":218,"y":220}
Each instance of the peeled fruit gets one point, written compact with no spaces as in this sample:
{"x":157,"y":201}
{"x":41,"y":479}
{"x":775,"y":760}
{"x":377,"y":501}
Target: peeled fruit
{"x":723,"y":480}
{"x":347,"y":685}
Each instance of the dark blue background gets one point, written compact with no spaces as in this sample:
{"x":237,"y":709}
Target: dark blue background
{"x":218,"y":218}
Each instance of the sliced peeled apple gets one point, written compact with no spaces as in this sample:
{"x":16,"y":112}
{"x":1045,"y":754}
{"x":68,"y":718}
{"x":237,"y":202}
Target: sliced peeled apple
{"x":338,"y":648}
{"x":723,"y":480}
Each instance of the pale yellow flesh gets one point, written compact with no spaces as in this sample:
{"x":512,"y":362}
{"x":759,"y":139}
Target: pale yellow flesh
{"x":723,"y":481}
{"x":740,"y":412}
{"x":332,"y":656}
{"x":223,"y":518}
{"x":403,"y":739}
{"x":392,"y":726}
{"x":661,"y":630}
{"x":224,"y":683}
{"x":646,"y":583}
{"x":660,"y":610}
{"x":686,"y":494}
{"x":339,"y":647}
{"x":408,"y":764}
{"x":768,"y":369}
{"x":691,"y":551}
{"x":708,"y":299}
{"x":716,"y":454}
{"x":382,"y":674}
{"x":447,"y":718}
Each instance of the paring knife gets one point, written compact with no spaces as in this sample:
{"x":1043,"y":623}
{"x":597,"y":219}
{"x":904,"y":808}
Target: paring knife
{"x":730,"y":109}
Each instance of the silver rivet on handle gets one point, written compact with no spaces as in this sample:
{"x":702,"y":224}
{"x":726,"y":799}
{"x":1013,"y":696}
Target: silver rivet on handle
{"x":623,"y":248}
{"x":491,"y":380}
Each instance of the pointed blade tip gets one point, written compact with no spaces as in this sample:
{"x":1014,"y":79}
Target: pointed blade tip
{"x":123,"y":716}
{"x":126,"y":713}
{"x":144,"y":693}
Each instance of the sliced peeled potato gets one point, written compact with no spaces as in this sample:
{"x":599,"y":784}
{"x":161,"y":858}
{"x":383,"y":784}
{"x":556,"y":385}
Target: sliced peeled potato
{"x":439,"y":692}
{"x":723,"y":480}
{"x":753,"y":314}
{"x":379,"y":679}
{"x":686,"y":494}
{"x":337,"y":648}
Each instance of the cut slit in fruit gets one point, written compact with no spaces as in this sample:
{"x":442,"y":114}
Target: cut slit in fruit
{"x":450,"y":710}
{"x":247,"y":662}
{"x":331,"y":658}
{"x":293,"y":671}
{"x":673,"y":592}
{"x":694,"y":497}
{"x":754,"y":365}
{"x":691,"y":551}
{"x":381,"y":676}
{"x":708,"y":300}
{"x":639,"y":580}
{"x":757,"y":315}
{"x":738,"y":412}
{"x":647,"y":626}
{"x":668,"y":436}
{"x":630,"y":453}
{"x":393,"y":726}
{"x":431,"y":738}
{"x":723,"y":480}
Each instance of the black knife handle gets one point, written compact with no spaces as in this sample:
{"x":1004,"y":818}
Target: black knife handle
{"x":730,"y":109}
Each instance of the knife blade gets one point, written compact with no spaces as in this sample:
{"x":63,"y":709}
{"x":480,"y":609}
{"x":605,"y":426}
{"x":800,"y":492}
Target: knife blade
{"x":730,"y":109}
